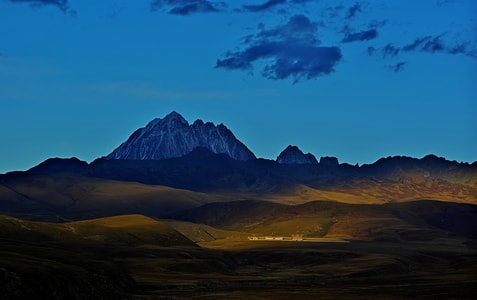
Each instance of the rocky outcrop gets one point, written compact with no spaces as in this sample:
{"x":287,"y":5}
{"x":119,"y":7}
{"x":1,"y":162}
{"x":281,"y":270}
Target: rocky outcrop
{"x":330,"y":161}
{"x":293,"y":155}
{"x":172,"y":136}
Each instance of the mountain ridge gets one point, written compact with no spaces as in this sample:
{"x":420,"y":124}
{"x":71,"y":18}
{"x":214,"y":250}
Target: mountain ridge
{"x":202,"y":173}
{"x":70,"y":188}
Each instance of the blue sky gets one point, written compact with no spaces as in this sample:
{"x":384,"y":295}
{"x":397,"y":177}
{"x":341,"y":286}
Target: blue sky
{"x":358,"y":80}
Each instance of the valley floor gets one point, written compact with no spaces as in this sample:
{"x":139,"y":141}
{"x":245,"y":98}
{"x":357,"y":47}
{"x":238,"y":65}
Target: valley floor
{"x":290,"y":270}
{"x":400,"y":256}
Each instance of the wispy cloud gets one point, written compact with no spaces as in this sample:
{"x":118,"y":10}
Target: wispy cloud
{"x":371,"y":50}
{"x":289,"y":50}
{"x":430,"y":44}
{"x":398,"y":67}
{"x":426,"y":44}
{"x":264,"y":6}
{"x":270,"y":4}
{"x":390,"y":50}
{"x":365,"y":35}
{"x":353,"y":10}
{"x":60,"y":4}
{"x":187,"y":7}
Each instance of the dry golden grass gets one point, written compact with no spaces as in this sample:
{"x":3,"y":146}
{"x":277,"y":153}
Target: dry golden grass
{"x":122,"y":221}
{"x":199,"y":233}
{"x":429,"y":266}
{"x":366,"y":192}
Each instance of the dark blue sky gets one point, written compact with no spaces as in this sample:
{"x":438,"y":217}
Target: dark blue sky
{"x":354,"y":79}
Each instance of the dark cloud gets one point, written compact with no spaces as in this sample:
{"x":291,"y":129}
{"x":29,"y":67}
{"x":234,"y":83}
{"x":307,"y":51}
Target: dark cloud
{"x":426,"y":44}
{"x":264,"y":6}
{"x":462,"y":48}
{"x":290,"y":50}
{"x":365,"y":35}
{"x":390,"y":50}
{"x":269,"y":5}
{"x":430,"y":44}
{"x":187,"y":7}
{"x":353,"y":10}
{"x":60,"y":4}
{"x":433,"y":44}
{"x":371,"y":51}
{"x":398,"y":67}
{"x":298,"y":27}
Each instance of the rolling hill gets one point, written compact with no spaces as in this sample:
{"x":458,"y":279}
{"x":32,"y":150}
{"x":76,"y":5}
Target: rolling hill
{"x":64,"y":196}
{"x":394,"y":222}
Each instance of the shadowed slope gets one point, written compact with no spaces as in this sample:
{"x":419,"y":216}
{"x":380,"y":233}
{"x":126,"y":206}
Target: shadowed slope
{"x":77,"y":260}
{"x":76,"y":197}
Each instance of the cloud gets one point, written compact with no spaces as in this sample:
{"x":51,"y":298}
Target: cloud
{"x":289,"y":50}
{"x":269,"y":5}
{"x":187,"y":7}
{"x":264,"y":6}
{"x":426,"y":44}
{"x":365,"y":35}
{"x":333,"y":11}
{"x":433,"y":44}
{"x":398,"y":67}
{"x":353,"y":10}
{"x":301,"y":1}
{"x":371,"y":50}
{"x":297,"y":27}
{"x":60,"y":4}
{"x":390,"y":50}
{"x":430,"y":44}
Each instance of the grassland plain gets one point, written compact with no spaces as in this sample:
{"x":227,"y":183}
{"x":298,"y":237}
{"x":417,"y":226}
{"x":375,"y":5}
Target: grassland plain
{"x":291,"y":270}
{"x":392,"y":252}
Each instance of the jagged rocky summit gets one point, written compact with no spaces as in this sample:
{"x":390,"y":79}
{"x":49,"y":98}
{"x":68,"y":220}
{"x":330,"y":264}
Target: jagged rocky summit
{"x":293,"y":155}
{"x":173,"y":136}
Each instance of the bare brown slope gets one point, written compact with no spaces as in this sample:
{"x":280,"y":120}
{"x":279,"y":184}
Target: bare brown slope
{"x":372,"y":191}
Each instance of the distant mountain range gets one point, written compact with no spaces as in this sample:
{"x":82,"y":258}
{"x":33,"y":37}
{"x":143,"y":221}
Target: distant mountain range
{"x":375,"y":225}
{"x":170,"y":165}
{"x":173,"y":137}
